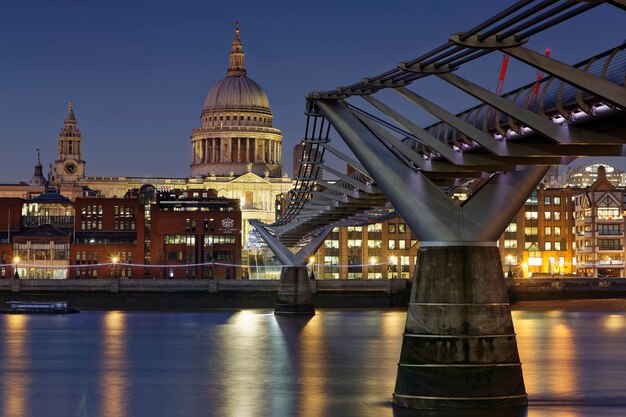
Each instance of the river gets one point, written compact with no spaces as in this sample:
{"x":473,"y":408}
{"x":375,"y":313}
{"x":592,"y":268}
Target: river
{"x":248,"y":363}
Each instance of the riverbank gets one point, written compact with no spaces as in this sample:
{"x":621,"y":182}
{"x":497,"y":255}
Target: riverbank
{"x":140,"y":294}
{"x":600,"y":305}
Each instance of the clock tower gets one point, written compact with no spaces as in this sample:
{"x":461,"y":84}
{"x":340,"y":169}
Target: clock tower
{"x":69,"y":165}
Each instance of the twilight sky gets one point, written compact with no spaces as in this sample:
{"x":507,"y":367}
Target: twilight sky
{"x":138,"y":71}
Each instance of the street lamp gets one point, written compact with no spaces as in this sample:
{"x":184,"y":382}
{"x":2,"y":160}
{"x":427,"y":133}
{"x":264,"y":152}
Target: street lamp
{"x":312,"y":262}
{"x":16,"y":260}
{"x":115,"y":260}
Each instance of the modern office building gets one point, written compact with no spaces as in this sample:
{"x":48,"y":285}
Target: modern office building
{"x":540,"y":240}
{"x":586,"y":175}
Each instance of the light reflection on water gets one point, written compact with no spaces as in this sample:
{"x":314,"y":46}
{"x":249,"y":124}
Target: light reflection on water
{"x":114,"y":381}
{"x":15,"y":366}
{"x":250,"y":363}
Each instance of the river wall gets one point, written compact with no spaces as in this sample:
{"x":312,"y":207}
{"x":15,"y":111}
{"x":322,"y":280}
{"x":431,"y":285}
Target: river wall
{"x":143,"y":294}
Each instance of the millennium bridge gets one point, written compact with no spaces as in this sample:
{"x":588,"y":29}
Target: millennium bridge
{"x":459,"y":348}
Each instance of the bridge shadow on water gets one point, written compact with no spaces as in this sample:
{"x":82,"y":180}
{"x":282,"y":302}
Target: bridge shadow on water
{"x":478,"y":412}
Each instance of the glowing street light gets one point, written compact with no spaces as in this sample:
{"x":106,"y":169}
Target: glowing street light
{"x":16,"y":260}
{"x":115,"y":260}
{"x":312,"y":262}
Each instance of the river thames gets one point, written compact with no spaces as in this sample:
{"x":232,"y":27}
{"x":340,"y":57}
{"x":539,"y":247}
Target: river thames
{"x":248,"y":363}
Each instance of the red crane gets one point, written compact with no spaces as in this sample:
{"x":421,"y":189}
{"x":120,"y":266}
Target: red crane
{"x":505,"y":63}
{"x":535,"y":92}
{"x":503,"y":67}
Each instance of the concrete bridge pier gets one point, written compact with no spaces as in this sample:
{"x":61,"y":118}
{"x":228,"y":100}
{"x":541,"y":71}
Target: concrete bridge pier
{"x":459,"y":349}
{"x":294,"y":294}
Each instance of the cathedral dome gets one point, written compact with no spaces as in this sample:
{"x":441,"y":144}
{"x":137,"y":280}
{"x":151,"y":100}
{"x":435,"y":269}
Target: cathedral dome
{"x":237,"y":93}
{"x":236,"y":136}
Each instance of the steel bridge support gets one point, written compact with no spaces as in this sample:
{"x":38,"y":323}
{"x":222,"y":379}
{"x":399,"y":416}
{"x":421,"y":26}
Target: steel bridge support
{"x":294,"y":294}
{"x":459,"y":349}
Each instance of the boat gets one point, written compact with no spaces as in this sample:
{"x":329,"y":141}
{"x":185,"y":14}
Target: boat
{"x":38,"y":307}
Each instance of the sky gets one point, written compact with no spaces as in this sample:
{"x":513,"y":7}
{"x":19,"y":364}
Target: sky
{"x":137,"y":72}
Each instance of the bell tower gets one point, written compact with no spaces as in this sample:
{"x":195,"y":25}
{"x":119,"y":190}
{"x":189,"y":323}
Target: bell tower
{"x":69,"y":165}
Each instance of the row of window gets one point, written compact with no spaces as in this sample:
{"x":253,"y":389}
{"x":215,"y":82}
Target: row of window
{"x":91,"y":210}
{"x":378,"y":227}
{"x":90,"y":258}
{"x":123,"y":211}
{"x":235,"y":117}
{"x":191,"y":225}
{"x":548,"y":245}
{"x":372,"y":244}
{"x":190,"y":257}
{"x":547,"y":230}
{"x":547,"y":215}
{"x":190,"y":240}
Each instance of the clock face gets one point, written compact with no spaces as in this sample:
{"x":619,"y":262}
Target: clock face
{"x":70,"y":168}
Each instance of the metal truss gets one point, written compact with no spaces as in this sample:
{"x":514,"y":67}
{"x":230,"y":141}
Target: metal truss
{"x":579,"y":112}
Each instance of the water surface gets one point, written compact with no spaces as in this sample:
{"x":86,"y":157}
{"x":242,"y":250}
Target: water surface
{"x":251,"y":364}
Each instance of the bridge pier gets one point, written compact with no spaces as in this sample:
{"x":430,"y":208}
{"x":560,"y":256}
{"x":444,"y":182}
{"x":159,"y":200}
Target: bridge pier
{"x":459,"y":349}
{"x":294,"y":294}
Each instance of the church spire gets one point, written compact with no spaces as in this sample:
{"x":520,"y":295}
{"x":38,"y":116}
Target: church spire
{"x":236,"y":67}
{"x":38,"y":179}
{"x":70,"y":114}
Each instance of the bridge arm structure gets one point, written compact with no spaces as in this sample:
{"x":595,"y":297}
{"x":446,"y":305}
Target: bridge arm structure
{"x":459,"y":347}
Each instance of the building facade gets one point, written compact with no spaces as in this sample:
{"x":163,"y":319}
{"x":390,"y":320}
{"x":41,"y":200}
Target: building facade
{"x":599,"y":225}
{"x":236,"y":152}
{"x":147,"y":234}
{"x":381,"y":250}
{"x":540,"y":240}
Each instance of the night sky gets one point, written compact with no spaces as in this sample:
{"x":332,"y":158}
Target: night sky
{"x":138,"y":72}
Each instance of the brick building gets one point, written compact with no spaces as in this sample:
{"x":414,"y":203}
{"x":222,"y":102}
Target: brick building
{"x":600,"y":222}
{"x":147,"y":234}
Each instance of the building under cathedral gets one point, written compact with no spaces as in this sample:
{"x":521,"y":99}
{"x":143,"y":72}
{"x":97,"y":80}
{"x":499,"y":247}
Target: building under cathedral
{"x":236,"y":152}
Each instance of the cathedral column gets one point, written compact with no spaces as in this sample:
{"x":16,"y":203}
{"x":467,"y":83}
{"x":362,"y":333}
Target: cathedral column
{"x":274,"y":158}
{"x":248,"y":151}
{"x":206,"y":150}
{"x":254,"y":144}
